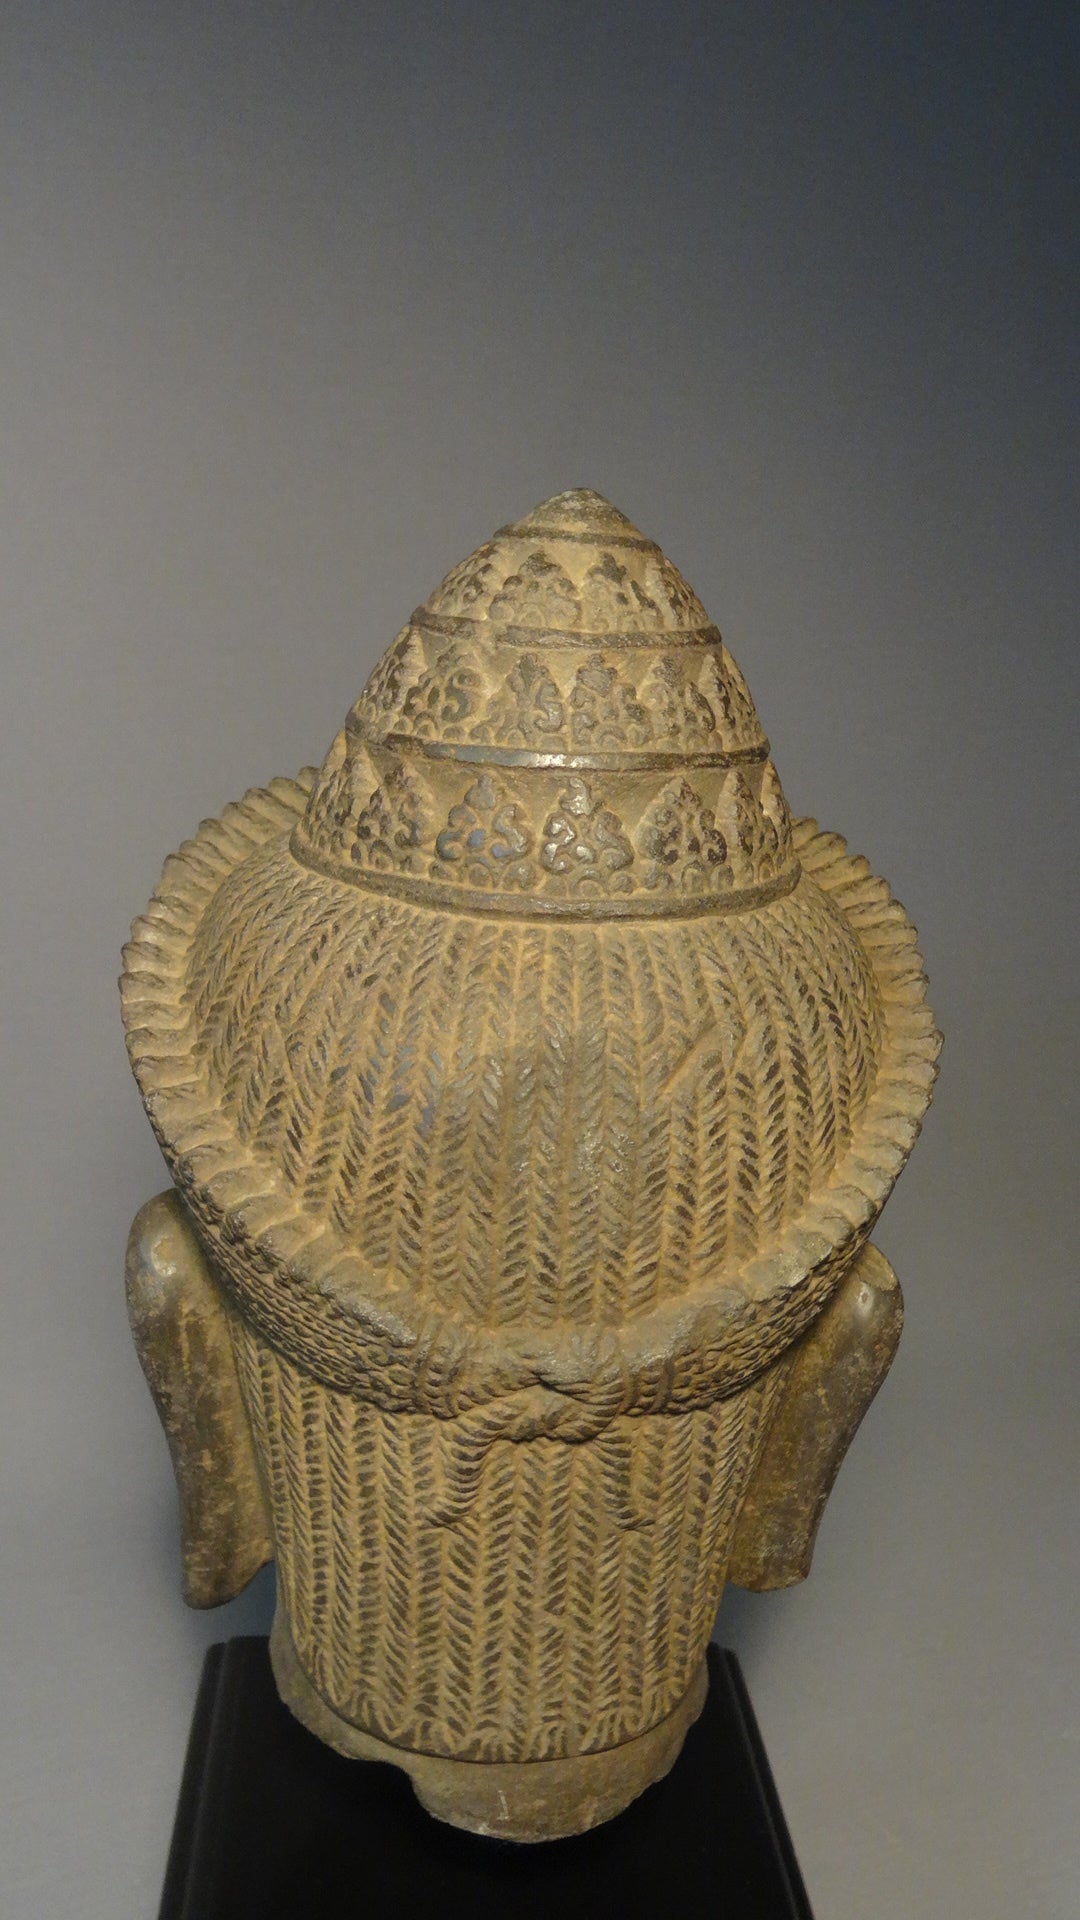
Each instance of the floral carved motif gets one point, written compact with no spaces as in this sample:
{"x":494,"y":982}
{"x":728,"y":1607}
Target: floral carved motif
{"x":614,"y":600}
{"x":401,"y":665}
{"x":681,"y":715}
{"x":746,"y":830}
{"x":390,"y":829}
{"x":777,"y":819}
{"x":539,"y":594}
{"x":526,"y":711}
{"x":330,"y":806}
{"x":723,"y":686}
{"x":679,"y":605}
{"x":743,"y":709}
{"x":444,"y":698}
{"x":605,"y":712}
{"x":684,"y":848}
{"x":486,"y":840}
{"x":584,"y":844}
{"x":468,"y":588}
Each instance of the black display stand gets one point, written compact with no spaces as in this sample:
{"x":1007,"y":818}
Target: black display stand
{"x":272,"y":1825}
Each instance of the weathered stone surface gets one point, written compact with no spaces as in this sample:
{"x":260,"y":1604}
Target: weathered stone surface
{"x":531,"y":1083}
{"x":181,"y":1332}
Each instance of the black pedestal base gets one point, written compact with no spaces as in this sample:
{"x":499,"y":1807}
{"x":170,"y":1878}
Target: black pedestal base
{"x":271,"y":1825}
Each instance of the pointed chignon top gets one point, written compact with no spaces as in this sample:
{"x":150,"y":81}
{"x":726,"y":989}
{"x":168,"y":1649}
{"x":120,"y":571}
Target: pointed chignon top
{"x":559,"y":729}
{"x":574,"y":566}
{"x":579,"y":511}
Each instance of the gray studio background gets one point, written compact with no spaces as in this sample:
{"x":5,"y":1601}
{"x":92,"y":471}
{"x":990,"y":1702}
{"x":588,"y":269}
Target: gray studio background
{"x":297,"y":303}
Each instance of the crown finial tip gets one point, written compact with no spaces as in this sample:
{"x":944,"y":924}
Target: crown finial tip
{"x":578,"y":510}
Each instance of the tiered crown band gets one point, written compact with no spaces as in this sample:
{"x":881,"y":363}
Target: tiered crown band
{"x":558,"y":730}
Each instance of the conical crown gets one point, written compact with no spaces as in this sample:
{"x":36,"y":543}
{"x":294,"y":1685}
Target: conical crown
{"x":558,"y":730}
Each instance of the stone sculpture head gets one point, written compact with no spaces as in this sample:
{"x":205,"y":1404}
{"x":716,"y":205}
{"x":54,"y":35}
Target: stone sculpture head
{"x":531,"y":1084}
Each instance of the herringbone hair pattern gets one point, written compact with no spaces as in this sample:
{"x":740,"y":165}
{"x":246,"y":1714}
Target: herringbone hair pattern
{"x":471,"y":1589}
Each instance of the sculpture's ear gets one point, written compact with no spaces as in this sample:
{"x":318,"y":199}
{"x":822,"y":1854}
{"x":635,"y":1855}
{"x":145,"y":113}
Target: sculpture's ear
{"x":837,"y":1369}
{"x":182,"y":1337}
